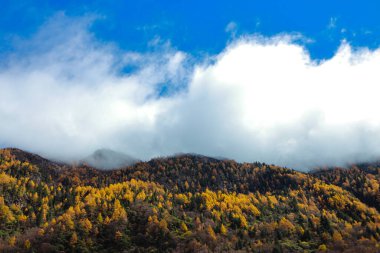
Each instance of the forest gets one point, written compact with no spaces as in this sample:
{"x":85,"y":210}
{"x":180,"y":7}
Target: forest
{"x":186,"y":203}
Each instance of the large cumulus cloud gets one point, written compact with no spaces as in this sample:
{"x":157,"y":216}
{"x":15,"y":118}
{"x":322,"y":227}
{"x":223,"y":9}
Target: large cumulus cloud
{"x":64,"y":94}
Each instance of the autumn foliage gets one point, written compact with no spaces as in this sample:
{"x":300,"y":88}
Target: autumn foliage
{"x":186,"y":203}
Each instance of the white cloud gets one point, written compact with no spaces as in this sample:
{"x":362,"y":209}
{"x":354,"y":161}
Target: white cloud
{"x":262,"y":99}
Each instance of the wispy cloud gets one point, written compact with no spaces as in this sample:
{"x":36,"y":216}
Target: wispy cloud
{"x":260,"y":99}
{"x":231,"y":28}
{"x":332,"y":23}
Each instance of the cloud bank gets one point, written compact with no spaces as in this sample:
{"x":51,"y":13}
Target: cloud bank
{"x":64,"y":94}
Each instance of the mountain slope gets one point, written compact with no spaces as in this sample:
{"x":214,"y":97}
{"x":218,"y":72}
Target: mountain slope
{"x":185,"y":203}
{"x":362,"y":180}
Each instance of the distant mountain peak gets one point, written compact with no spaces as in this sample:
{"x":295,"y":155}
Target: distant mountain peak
{"x":109,"y":159}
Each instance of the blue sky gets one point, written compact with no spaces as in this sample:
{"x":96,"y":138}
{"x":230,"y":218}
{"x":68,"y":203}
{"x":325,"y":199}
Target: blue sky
{"x":199,"y":27}
{"x":293,"y":83}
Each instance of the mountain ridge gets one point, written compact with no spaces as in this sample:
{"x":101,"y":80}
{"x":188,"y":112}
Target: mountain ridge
{"x":186,"y":203}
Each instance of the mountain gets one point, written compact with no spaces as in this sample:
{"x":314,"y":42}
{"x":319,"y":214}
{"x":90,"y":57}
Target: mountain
{"x":362,"y":180}
{"x":185,"y":203}
{"x":109,"y":159}
{"x":24,"y":156}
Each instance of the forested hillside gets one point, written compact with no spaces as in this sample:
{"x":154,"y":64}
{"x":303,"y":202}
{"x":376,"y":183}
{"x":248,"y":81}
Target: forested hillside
{"x":362,"y":180}
{"x":187,"y":203}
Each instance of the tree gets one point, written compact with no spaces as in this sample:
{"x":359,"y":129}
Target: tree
{"x":74,"y":239}
{"x":118,"y":211}
{"x":211,"y":233}
{"x":12,"y":240}
{"x":184,"y":227}
{"x":223,"y":230}
{"x":27,"y":244}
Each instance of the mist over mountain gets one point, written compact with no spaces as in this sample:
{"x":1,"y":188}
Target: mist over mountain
{"x":109,"y":159}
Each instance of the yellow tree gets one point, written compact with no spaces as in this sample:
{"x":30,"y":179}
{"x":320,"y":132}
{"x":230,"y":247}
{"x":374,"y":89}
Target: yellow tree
{"x":118,"y":211}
